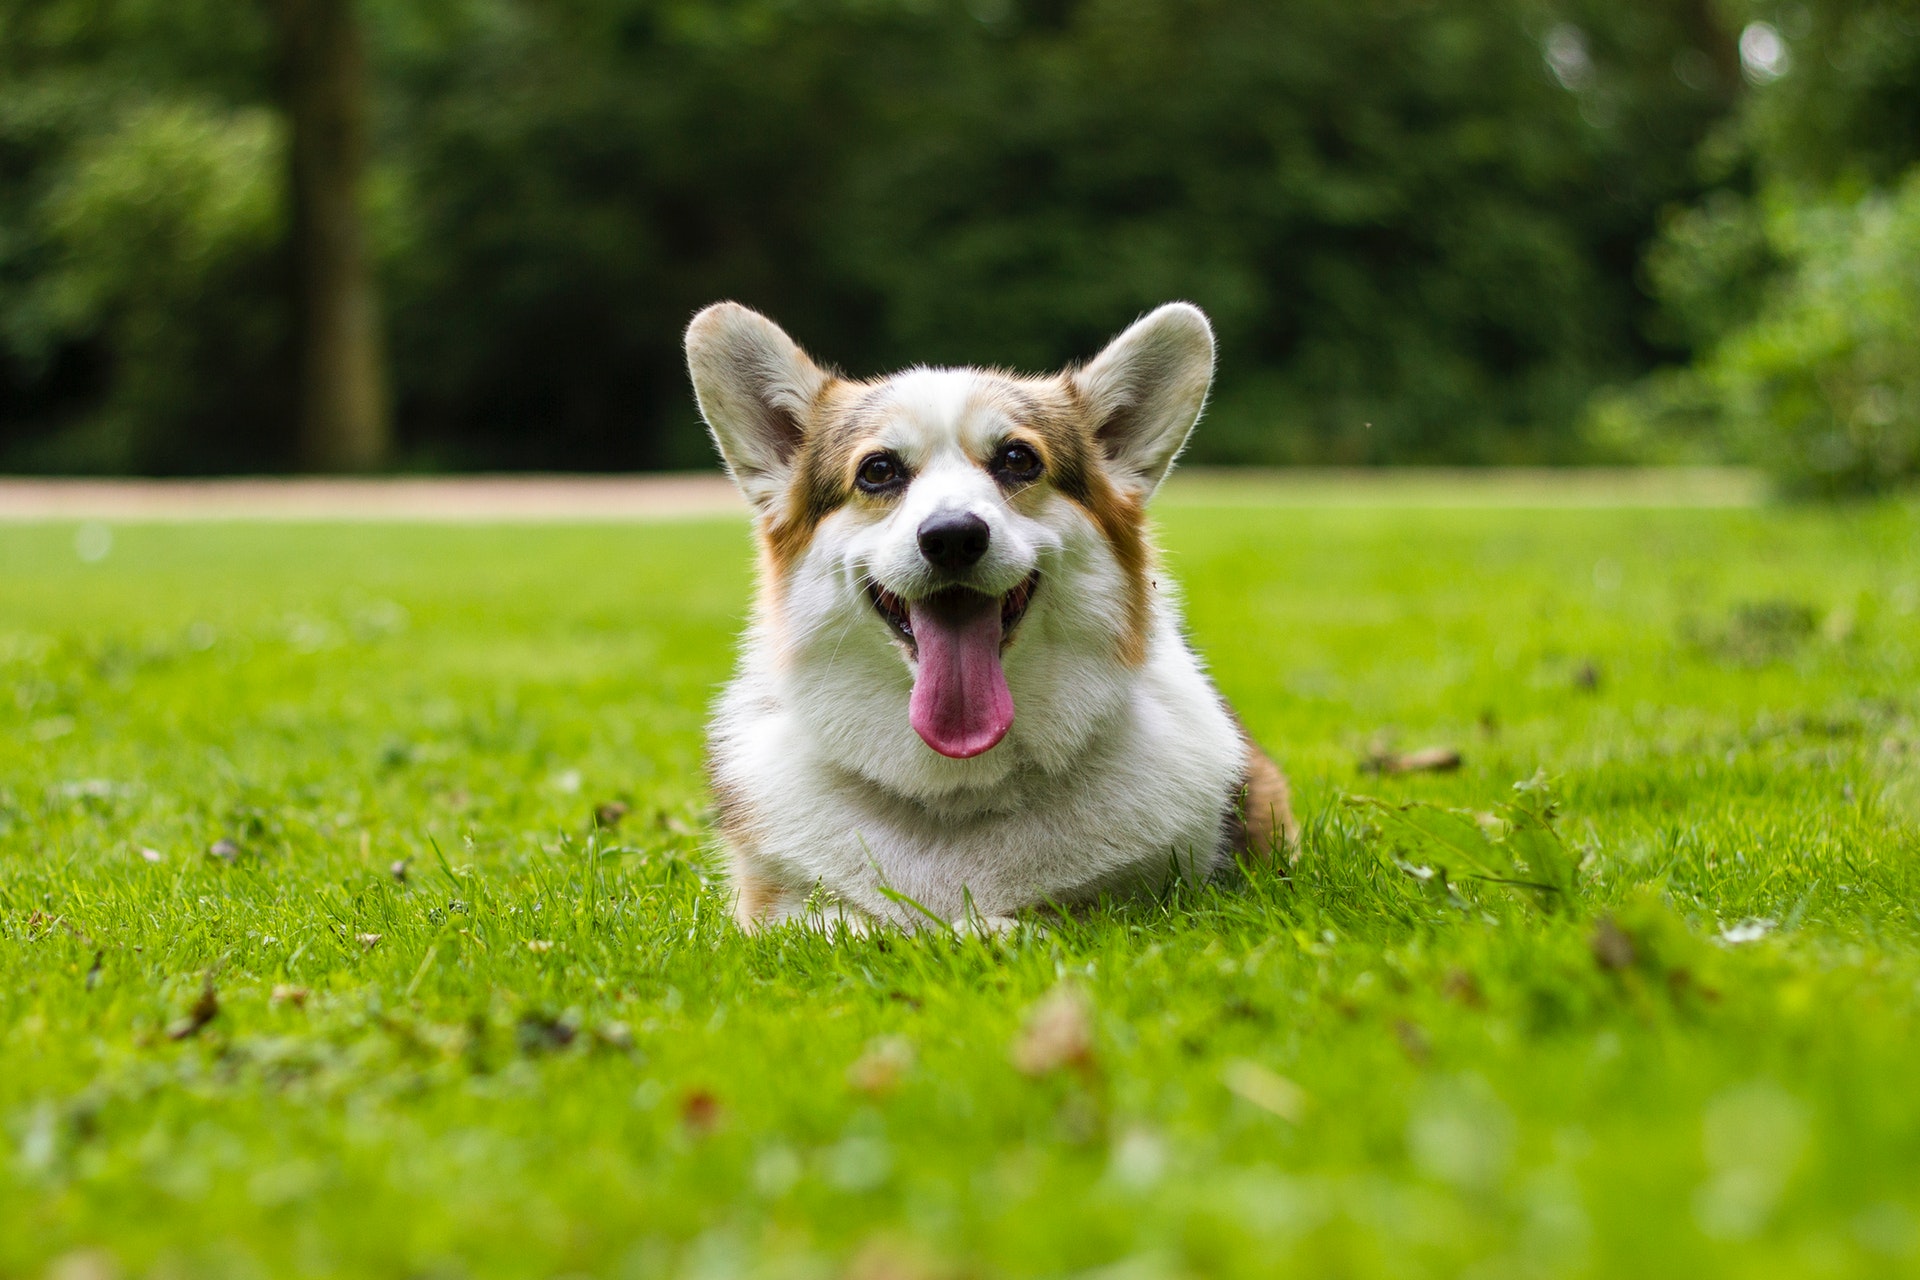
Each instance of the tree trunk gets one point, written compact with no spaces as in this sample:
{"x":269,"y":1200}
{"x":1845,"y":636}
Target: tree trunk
{"x":339,"y":371}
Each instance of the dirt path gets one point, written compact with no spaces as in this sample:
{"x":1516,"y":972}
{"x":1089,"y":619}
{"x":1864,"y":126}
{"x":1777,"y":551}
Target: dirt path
{"x":561,"y":498}
{"x":542,"y":498}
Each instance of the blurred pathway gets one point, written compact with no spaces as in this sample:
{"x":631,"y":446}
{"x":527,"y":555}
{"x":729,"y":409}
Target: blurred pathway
{"x":551,"y":498}
{"x":540,"y":498}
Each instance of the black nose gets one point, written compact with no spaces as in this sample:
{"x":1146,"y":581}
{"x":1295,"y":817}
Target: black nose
{"x":953,"y":542}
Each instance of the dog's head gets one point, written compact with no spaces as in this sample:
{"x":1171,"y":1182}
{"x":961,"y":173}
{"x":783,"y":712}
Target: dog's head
{"x":956,"y":536}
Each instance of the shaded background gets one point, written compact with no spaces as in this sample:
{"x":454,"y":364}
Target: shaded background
{"x":1504,"y":231}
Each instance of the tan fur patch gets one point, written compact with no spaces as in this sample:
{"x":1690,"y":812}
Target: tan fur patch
{"x":754,"y":894}
{"x":1075,"y":466}
{"x":821,"y":477}
{"x":1264,"y":829}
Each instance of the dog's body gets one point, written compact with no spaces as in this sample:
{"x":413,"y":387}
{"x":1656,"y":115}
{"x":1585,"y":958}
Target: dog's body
{"x":938,"y":549}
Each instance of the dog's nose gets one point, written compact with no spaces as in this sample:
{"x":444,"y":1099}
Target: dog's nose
{"x":953,"y":542}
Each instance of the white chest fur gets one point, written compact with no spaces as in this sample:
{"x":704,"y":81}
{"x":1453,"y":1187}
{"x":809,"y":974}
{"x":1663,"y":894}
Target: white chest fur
{"x":1111,"y":780}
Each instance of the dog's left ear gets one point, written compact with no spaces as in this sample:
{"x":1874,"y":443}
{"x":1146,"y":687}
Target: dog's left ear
{"x":1146,"y":390}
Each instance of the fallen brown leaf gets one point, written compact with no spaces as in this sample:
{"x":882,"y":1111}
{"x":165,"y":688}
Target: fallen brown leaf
{"x":878,"y":1070}
{"x":893,"y":1258}
{"x":1264,"y":1089}
{"x":285,"y":994}
{"x":1059,"y":1033}
{"x":204,"y":1010}
{"x":700,"y":1111}
{"x":1413,"y":1041}
{"x":1464,"y":987}
{"x":1425,"y":760}
{"x":1612,"y":945}
{"x":84,"y":1264}
{"x":543,"y":1033}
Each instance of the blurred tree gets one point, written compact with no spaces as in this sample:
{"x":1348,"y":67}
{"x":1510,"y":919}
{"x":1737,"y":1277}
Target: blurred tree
{"x":140,"y":233}
{"x":340,"y":390}
{"x":1418,"y":238}
{"x":1417,"y":225}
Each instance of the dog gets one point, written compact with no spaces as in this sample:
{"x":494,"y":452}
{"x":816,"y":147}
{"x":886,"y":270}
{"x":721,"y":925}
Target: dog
{"x":964,"y":690}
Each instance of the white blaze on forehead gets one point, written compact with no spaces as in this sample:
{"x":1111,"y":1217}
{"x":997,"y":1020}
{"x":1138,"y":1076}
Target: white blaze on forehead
{"x":935,"y":412}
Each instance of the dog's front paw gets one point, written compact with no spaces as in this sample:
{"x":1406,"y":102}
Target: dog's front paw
{"x":971,"y":926}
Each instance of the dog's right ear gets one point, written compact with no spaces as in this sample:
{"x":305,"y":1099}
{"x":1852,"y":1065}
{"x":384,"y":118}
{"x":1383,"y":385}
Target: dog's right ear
{"x":755,"y":387}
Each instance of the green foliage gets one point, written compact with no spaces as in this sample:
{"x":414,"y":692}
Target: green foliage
{"x":141,"y":321}
{"x":1820,"y":381}
{"x":1415,"y":232}
{"x":162,"y":235}
{"x":1514,"y":845}
{"x":1794,"y":285}
{"x":1847,"y":109}
{"x":1824,"y":385}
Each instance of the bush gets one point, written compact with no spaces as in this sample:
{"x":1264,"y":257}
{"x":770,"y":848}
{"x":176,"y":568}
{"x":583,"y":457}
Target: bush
{"x":1824,"y":387}
{"x":1818,"y":378}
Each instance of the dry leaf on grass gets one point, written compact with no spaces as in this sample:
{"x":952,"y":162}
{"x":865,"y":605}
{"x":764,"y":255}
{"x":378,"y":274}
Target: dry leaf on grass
{"x":204,"y":1010}
{"x":1612,"y":946}
{"x":1059,"y":1033}
{"x":877,"y":1071}
{"x":700,"y":1112}
{"x":84,"y":1264}
{"x":1425,"y":760}
{"x":1264,"y":1089}
{"x":1413,"y":1041}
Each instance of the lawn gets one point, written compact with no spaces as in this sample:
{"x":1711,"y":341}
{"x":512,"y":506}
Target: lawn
{"x":326,"y":948}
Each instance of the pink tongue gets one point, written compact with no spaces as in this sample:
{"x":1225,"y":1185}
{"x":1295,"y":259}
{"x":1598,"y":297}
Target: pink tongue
{"x":960,"y":705}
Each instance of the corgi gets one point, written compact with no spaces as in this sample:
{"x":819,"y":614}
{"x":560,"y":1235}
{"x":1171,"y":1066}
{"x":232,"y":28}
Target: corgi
{"x":964,"y":690}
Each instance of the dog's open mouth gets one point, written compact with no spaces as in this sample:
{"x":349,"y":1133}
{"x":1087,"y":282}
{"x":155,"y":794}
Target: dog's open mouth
{"x":1013,"y":607}
{"x":960,"y":706}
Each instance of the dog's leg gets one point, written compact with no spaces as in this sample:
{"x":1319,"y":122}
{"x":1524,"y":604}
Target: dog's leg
{"x":1263,"y":824}
{"x":760,"y":902}
{"x":756,"y":899}
{"x":991,"y":926}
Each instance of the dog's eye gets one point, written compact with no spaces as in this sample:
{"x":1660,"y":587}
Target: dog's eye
{"x":880,"y":472}
{"x":1016,"y":462}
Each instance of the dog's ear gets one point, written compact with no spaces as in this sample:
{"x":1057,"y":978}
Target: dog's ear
{"x":1146,"y":390}
{"x":755,"y":387}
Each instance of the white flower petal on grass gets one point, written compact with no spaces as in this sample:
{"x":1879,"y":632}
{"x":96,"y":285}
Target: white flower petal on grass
{"x":1749,"y":930}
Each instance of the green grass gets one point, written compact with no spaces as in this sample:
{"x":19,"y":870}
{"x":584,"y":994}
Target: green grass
{"x":1354,"y":1072}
